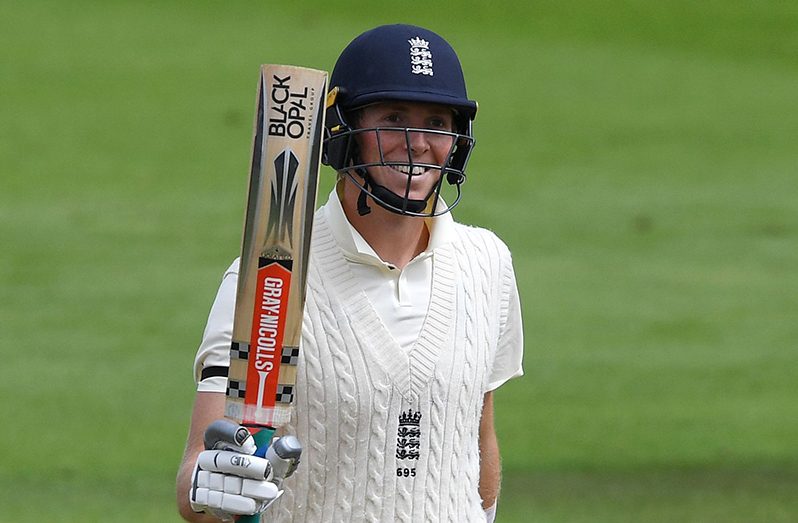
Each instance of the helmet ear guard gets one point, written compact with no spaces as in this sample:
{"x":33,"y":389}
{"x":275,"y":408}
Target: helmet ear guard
{"x":337,"y":137}
{"x":459,"y":155}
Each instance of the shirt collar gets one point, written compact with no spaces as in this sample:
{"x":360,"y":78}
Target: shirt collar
{"x":441,"y":232}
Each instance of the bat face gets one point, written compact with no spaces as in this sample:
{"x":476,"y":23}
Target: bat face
{"x":264,"y":352}
{"x":271,"y":281}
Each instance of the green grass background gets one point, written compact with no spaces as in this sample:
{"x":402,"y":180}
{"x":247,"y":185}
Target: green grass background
{"x":638,"y":157}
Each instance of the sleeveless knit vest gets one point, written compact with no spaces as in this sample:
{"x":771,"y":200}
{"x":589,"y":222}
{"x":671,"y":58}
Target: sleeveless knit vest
{"x":392,"y":435}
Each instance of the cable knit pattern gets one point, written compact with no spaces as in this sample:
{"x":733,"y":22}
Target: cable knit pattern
{"x":486,"y":286}
{"x":376,"y":467}
{"x":347,"y":412}
{"x":354,"y":382}
{"x":337,"y":345}
{"x":432,"y":490}
{"x":404,"y":501}
{"x":466,"y":357}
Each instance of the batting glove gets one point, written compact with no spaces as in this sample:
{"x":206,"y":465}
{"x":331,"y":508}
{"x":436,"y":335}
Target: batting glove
{"x":228,"y":480}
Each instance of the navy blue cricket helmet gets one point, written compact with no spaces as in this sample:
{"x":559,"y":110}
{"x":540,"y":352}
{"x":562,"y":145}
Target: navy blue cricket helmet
{"x":398,"y":63}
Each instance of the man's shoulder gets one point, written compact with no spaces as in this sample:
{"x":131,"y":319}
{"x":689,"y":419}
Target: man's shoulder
{"x":479,"y":238}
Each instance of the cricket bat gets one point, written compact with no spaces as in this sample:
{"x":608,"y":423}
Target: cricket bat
{"x":267,"y":325}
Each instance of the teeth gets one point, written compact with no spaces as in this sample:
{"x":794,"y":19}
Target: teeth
{"x":406,"y":169}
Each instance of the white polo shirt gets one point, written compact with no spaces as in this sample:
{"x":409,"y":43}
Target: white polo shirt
{"x":400,"y":298}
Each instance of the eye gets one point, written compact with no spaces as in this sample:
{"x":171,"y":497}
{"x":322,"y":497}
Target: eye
{"x":393,"y":118}
{"x":439,"y":122}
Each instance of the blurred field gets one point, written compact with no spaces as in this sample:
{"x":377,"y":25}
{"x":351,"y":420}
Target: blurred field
{"x":638,"y":157}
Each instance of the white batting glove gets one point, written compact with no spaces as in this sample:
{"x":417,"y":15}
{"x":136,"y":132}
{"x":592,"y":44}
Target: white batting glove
{"x":228,"y":480}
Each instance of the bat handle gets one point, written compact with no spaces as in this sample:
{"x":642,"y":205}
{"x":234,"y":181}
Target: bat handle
{"x":263,"y":439}
{"x":283,"y":455}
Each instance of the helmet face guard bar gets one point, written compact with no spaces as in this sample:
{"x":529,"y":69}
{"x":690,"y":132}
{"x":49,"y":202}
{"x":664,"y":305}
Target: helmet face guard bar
{"x":346,"y":159}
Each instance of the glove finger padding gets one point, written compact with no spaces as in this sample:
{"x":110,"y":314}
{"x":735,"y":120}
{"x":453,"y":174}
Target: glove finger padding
{"x":227,"y":482}
{"x":232,"y":494}
{"x":229,"y":462}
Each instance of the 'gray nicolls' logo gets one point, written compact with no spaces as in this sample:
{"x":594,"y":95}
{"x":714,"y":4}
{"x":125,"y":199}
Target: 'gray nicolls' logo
{"x":420,"y":56}
{"x":284,"y":186}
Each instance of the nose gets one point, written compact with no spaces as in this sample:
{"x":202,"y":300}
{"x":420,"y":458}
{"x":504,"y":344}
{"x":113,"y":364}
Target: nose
{"x":417,"y":143}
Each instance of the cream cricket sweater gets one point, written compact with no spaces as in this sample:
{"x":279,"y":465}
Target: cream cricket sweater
{"x":392,"y":435}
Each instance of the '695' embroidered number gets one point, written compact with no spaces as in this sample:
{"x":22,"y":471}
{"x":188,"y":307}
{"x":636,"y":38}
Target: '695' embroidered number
{"x":404,"y":472}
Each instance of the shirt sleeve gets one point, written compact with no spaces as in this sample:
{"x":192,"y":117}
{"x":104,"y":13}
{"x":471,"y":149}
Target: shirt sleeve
{"x":508,"y":361}
{"x":214,"y":350}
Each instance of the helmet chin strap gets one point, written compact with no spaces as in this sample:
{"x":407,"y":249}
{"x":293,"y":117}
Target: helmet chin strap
{"x":384,"y":195}
{"x":363,"y":207}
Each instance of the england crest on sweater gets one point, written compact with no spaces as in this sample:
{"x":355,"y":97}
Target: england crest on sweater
{"x":408,"y":436}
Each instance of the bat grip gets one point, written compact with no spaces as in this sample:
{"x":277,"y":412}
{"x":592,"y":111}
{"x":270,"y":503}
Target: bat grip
{"x":262,"y":439}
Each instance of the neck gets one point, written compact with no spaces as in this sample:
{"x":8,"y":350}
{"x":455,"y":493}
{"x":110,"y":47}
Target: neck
{"x":396,"y":239}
